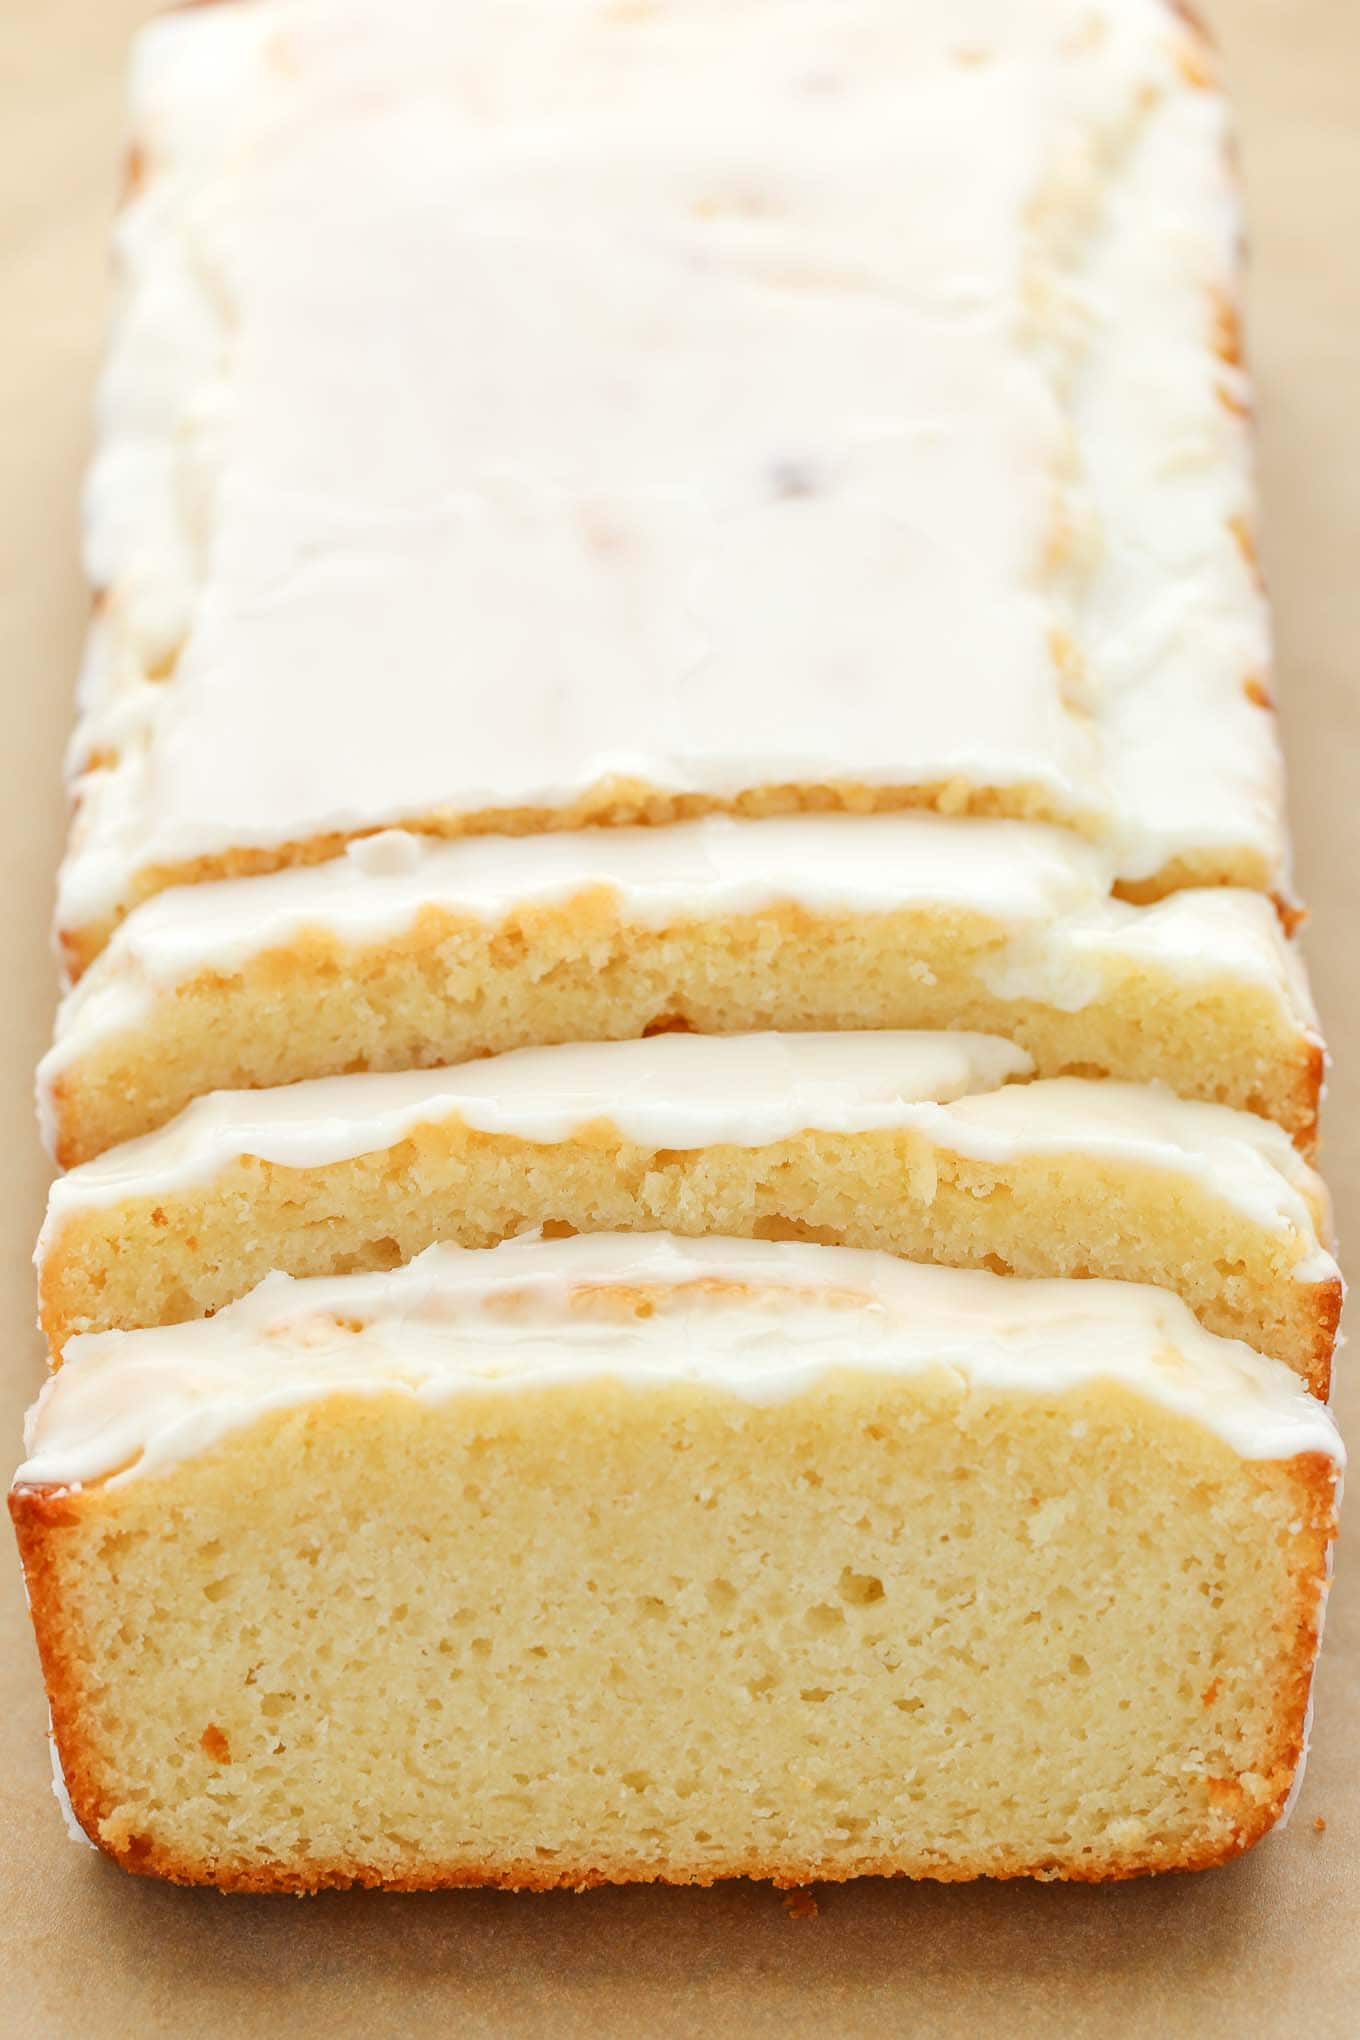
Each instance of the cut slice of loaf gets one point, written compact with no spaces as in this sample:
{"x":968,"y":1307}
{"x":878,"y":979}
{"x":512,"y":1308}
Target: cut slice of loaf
{"x":921,"y":1144}
{"x":406,"y":954}
{"x":597,"y":1560}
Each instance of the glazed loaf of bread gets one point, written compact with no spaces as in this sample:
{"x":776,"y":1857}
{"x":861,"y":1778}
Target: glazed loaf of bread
{"x":690,"y":1245}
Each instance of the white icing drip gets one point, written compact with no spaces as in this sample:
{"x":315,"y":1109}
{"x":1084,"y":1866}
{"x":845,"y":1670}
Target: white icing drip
{"x":689,"y":1091}
{"x":127,"y":1404}
{"x":1192,"y":936}
{"x":748,"y":464}
{"x":60,"y":1793}
{"x":1174,"y":615}
{"x":1060,"y":936}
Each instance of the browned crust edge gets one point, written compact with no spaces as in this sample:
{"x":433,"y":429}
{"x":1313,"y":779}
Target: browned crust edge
{"x":1189,"y":14}
{"x":41,"y":1515}
{"x":1310,"y":1099}
{"x":1330,"y":1299}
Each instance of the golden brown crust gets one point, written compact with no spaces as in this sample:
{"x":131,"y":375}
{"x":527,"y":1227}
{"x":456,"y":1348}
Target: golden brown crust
{"x":40,"y":1517}
{"x":1197,"y":55}
{"x":1311,"y":1081}
{"x":144,"y":1859}
{"x":1331,"y":1297}
{"x":1194,"y":21}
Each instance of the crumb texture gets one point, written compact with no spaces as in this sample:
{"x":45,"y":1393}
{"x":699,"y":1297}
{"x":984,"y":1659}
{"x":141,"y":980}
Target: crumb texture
{"x":593,"y":1634}
{"x":183,"y":1252}
{"x":447,"y":989}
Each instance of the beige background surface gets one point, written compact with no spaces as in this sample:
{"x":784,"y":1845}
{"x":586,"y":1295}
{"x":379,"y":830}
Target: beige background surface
{"x":1269,"y":1946}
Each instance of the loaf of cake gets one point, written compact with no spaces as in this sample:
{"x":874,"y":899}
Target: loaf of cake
{"x":927,"y":1145}
{"x":603,"y":1559}
{"x":690,"y":1246}
{"x":513,"y":424}
{"x":406,"y":953}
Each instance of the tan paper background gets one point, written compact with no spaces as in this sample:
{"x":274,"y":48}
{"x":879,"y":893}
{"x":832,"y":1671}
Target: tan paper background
{"x":1267,"y":1947}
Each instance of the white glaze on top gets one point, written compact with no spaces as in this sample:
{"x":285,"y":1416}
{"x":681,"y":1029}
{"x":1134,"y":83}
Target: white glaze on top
{"x":672,"y":1090}
{"x":506,"y":401}
{"x":1046,"y":892}
{"x":689,"y":1091}
{"x":519,"y":1316}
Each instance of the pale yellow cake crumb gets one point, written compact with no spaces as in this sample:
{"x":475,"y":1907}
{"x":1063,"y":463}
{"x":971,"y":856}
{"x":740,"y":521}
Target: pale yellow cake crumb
{"x":594,"y":1633}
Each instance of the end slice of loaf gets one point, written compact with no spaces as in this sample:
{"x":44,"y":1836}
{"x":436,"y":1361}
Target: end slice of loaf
{"x":598,"y":1560}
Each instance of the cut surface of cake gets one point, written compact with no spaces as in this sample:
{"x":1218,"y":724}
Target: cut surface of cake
{"x":922,"y":1144}
{"x":608,"y":1559}
{"x":406,"y":953}
{"x":814,"y":502}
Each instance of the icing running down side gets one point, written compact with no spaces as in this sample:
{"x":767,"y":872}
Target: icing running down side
{"x":687,"y":1091}
{"x":719,"y":469}
{"x":754,"y":1319}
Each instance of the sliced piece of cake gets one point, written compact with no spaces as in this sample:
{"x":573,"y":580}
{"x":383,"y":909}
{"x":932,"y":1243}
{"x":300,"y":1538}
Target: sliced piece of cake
{"x":593,"y":1560}
{"x":406,"y":953}
{"x":720,"y":472}
{"x":921,"y":1144}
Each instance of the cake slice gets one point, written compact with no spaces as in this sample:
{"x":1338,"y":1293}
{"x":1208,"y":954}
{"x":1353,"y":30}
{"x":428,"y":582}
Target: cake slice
{"x":807,"y":503}
{"x":920,"y":1144}
{"x":406,"y":953}
{"x":599,"y":1560}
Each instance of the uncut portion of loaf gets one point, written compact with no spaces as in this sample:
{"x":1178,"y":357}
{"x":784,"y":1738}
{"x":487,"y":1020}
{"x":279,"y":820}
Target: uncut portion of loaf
{"x":616,"y":1560}
{"x":814,"y":502}
{"x":922,"y":1144}
{"x":404,"y":954}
